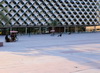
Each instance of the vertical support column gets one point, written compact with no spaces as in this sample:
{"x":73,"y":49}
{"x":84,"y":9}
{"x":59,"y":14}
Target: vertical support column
{"x":10,"y":28}
{"x":64,"y":29}
{"x":76,"y":29}
{"x":68,"y":29}
{"x":26,"y":30}
{"x":39,"y":30}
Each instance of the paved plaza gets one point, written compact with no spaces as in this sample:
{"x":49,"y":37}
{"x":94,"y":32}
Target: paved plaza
{"x":75,"y":53}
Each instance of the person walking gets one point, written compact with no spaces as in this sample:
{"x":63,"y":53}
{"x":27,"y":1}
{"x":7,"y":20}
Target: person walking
{"x":60,"y":35}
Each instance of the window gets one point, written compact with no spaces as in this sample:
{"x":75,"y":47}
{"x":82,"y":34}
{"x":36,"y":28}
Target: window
{"x":90,"y":13}
{"x":83,"y":9}
{"x":77,"y":9}
{"x":93,"y":10}
{"x":80,"y":19}
{"x":80,"y":13}
{"x":80,"y":6}
{"x":72,"y":16}
{"x":77,"y":2}
{"x":83,"y":23}
{"x":85,"y":19}
{"x":72,"y":9}
{"x":75,"y":13}
{"x":77,"y":23}
{"x":69,"y":19}
{"x":95,"y":19}
{"x":83,"y":16}
{"x":95,"y":13}
{"x":86,"y":0}
{"x":69,"y":12}
{"x":75,"y":5}
{"x":88,"y":16}
{"x":90,"y":19}
{"x":93,"y":16}
{"x":88,"y":9}
{"x":85,"y":6}
{"x":88,"y":3}
{"x":95,"y":0}
{"x":69,"y":5}
{"x":90,"y":6}
{"x":72,"y":23}
{"x":88,"y":23}
{"x":77,"y":16}
{"x":66,"y":16}
{"x":95,"y":6}
{"x":66,"y":1}
{"x":85,"y":13}
{"x":93,"y":3}
{"x":83,"y":2}
{"x":72,"y":2}
{"x":74,"y":19}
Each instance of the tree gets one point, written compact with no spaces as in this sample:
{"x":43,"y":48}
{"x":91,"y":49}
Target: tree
{"x":3,"y":17}
{"x":54,"y":23}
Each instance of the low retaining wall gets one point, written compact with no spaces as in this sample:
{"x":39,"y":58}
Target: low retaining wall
{"x":1,"y":44}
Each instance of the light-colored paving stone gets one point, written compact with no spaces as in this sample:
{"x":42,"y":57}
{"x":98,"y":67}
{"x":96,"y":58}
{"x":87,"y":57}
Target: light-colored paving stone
{"x":89,"y":71}
{"x":75,"y":53}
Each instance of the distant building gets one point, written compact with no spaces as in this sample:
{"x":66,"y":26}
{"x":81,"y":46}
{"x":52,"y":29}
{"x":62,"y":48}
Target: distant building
{"x":36,"y":16}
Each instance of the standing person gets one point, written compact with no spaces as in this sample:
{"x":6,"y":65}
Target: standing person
{"x":69,"y":33}
{"x":13,"y":37}
{"x":7,"y":39}
{"x":52,"y":32}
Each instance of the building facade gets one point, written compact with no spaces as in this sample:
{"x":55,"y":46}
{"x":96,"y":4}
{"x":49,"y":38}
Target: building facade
{"x":37,"y":16}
